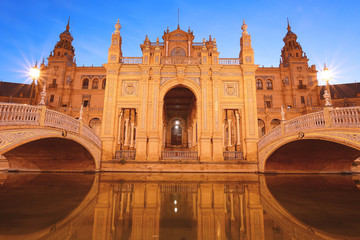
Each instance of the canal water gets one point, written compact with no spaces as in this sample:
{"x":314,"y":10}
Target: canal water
{"x":178,"y":206}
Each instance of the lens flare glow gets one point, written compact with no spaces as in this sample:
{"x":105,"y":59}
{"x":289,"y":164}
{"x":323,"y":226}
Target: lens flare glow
{"x":34,"y":73}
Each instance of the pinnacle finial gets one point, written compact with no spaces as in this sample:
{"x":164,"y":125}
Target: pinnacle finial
{"x":244,"y":28}
{"x":117,"y":26}
{"x":68,"y":25}
{"x":288,"y":25}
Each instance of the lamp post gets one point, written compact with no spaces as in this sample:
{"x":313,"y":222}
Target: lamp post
{"x":34,"y":74}
{"x":326,"y":76}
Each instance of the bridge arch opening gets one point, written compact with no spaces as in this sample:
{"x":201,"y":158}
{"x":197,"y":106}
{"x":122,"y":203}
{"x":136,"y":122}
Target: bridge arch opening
{"x":312,"y":156}
{"x":50,"y":154}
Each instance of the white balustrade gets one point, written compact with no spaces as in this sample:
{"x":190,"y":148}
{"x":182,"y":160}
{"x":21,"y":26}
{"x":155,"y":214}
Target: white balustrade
{"x":346,"y":117}
{"x":18,"y":114}
{"x":337,"y":117}
{"x":27,"y":115}
{"x":59,"y":120}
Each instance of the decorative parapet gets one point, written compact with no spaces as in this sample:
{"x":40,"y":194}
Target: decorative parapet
{"x":131,"y":60}
{"x":26,"y":115}
{"x":229,"y":61}
{"x":180,"y":60}
{"x":328,"y":118}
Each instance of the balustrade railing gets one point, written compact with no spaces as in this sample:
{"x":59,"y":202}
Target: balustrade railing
{"x":328,"y":118}
{"x":233,"y":155}
{"x":229,"y":61}
{"x":18,"y":114}
{"x":59,"y":120}
{"x":125,"y":154}
{"x":186,"y":155}
{"x":345,"y":117}
{"x":27,"y":115}
{"x":180,"y":60}
{"x":131,"y":60}
{"x":174,"y":188}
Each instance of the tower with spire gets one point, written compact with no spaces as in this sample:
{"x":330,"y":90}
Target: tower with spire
{"x":63,"y":49}
{"x":292,"y":49}
{"x":115,"y":53}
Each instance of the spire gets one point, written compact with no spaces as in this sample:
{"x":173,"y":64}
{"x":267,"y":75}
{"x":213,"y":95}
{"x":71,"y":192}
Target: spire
{"x":68,"y":25}
{"x":288,"y":27}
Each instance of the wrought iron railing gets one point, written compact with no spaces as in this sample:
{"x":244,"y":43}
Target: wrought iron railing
{"x":125,"y":154}
{"x":233,"y":155}
{"x":185,"y":155}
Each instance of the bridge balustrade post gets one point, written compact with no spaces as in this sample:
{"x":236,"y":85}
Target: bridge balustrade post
{"x":327,"y":116}
{"x":282,"y":124}
{"x":42,"y":115}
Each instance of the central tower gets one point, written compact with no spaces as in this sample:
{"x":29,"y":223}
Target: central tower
{"x":180,"y":101}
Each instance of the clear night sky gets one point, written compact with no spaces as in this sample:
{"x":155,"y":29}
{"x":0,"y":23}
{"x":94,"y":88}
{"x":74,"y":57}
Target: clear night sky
{"x":327,"y":30}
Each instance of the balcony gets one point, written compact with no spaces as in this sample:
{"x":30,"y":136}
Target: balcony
{"x":302,"y":87}
{"x":54,"y":85}
{"x":125,"y":155}
{"x":233,"y":155}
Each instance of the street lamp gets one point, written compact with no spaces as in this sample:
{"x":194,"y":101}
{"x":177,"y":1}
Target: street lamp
{"x":34,"y":74}
{"x":326,"y":76}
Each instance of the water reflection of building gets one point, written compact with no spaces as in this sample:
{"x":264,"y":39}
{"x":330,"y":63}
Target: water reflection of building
{"x":138,"y":206}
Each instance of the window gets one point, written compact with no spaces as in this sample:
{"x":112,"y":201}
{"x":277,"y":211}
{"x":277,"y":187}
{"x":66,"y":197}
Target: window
{"x":269,"y":85}
{"x":268,"y":104}
{"x":103,"y":83}
{"x":54,"y":81}
{"x":259,"y":84}
{"x":86,"y":103}
{"x":85,"y":83}
{"x":302,"y":98}
{"x":52,"y":98}
{"x":95,"y":84}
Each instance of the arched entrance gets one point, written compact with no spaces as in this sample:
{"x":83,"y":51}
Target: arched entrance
{"x":180,"y":125}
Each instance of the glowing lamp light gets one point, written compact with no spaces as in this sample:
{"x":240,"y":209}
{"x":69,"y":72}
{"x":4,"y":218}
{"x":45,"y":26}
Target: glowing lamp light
{"x":175,"y":209}
{"x":177,"y":122}
{"x":176,"y":127}
{"x":175,"y":202}
{"x":34,"y":72}
{"x":326,"y":74}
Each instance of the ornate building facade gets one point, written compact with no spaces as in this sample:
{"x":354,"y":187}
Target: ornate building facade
{"x":179,"y":100}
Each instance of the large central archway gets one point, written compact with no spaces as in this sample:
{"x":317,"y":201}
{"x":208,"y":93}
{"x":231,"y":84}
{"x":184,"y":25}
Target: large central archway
{"x":179,"y":120}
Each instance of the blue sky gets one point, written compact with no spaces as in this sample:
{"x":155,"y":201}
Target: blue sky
{"x":327,"y":30}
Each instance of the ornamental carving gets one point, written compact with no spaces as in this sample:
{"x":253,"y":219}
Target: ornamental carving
{"x":230,"y":89}
{"x":130,"y":88}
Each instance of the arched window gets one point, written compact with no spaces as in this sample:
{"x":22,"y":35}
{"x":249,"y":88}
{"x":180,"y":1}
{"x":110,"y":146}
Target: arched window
{"x":85,"y":84}
{"x":95,"y":83}
{"x":259,"y":84}
{"x":261,"y":125}
{"x":275,"y":122}
{"x":178,"y":52}
{"x":269,"y":84}
{"x":103,"y":84}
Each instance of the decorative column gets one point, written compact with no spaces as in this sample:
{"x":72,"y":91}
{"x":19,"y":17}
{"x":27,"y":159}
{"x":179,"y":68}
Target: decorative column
{"x":229,"y":132}
{"x":132,"y":135}
{"x":238,"y":128}
{"x":119,"y":133}
{"x":126,"y":143}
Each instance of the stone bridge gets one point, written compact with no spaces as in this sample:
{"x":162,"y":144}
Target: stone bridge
{"x":324,"y":142}
{"x":34,"y":138}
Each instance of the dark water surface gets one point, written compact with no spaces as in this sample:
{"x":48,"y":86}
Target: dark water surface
{"x":178,"y":206}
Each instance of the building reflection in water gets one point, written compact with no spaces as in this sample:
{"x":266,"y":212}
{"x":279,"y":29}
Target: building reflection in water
{"x":178,"y":206}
